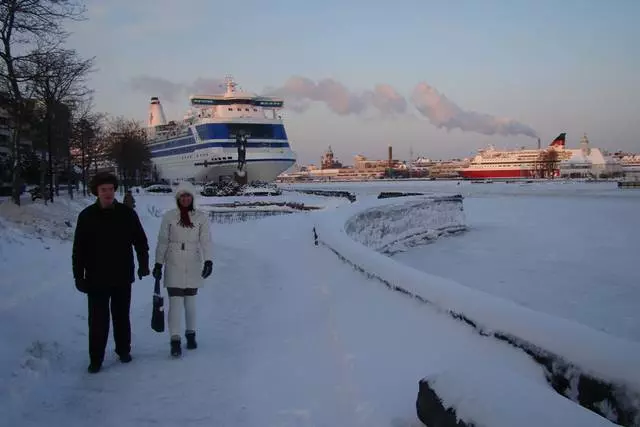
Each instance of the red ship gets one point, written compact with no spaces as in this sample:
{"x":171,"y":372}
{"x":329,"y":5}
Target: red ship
{"x":525,"y":163}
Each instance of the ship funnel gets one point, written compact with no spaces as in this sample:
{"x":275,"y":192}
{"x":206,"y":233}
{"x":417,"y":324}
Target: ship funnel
{"x":156,"y":114}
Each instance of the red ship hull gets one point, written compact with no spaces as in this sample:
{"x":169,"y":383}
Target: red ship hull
{"x":497,"y":173}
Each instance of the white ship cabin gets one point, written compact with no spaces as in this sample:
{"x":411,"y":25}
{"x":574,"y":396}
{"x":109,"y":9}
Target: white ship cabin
{"x":491,"y":155}
{"x":234,"y":105}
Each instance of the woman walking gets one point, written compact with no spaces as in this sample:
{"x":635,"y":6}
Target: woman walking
{"x":185,"y":249}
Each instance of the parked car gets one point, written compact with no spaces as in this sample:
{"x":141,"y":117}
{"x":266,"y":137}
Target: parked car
{"x":159,"y":188}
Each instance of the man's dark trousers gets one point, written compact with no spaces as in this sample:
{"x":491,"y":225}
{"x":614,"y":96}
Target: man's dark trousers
{"x":120,"y":298}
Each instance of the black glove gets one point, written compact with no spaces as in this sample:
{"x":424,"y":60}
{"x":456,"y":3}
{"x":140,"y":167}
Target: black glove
{"x":207,"y":270}
{"x":82,"y":285}
{"x":143,"y":271}
{"x":157,"y":271}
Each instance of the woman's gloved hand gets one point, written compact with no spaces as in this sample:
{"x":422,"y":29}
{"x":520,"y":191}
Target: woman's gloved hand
{"x":157,"y":271}
{"x":208,"y":269}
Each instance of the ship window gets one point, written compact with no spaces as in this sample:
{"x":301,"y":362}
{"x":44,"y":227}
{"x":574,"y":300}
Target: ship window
{"x":246,"y":109}
{"x":230,"y":109}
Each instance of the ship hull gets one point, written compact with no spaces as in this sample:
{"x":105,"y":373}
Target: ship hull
{"x":497,"y":173}
{"x":266,"y":170}
{"x":214,"y":166}
{"x":217,"y":160}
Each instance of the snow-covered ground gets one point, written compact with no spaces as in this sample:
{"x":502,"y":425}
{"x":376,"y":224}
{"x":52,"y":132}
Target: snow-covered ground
{"x":565,"y":248}
{"x":289,"y":335}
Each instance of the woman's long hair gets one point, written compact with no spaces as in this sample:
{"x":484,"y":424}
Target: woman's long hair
{"x":185,"y":220}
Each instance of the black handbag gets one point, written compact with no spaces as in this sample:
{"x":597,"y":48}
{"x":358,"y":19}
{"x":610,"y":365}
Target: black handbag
{"x":157,"y":317}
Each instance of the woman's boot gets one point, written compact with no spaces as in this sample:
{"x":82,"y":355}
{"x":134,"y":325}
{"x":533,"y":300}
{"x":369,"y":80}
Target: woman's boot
{"x":176,"y":348}
{"x":191,"y":340}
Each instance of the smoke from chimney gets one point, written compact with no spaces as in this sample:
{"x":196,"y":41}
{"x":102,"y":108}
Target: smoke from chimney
{"x":443,"y":113}
{"x":300,"y":92}
{"x":175,"y":92}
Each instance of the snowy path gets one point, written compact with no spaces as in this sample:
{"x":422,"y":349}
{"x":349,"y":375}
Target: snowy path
{"x":289,"y":336}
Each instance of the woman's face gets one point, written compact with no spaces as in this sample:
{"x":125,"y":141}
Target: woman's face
{"x":185,"y":200}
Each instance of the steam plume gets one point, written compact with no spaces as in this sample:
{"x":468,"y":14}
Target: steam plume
{"x":443,"y":113}
{"x":175,"y":92}
{"x":300,"y":93}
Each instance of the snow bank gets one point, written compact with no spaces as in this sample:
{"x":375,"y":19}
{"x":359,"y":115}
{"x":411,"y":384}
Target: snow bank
{"x":467,"y":396}
{"x":396,"y":226}
{"x":54,"y":220}
{"x":586,"y":365}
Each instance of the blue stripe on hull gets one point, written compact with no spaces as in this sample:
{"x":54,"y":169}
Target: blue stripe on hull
{"x":155,"y":153}
{"x":256,"y":130}
{"x":211,"y":131}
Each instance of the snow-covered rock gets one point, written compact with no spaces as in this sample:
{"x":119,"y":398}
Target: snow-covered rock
{"x":394,"y":227}
{"x":496,"y":397}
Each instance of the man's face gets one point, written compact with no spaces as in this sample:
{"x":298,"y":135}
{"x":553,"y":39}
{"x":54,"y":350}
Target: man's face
{"x":106,"y":194}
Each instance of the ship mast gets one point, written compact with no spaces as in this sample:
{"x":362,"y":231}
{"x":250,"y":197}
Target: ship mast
{"x":230,"y":84}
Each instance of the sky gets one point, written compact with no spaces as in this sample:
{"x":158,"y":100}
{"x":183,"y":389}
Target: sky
{"x":439,"y":79}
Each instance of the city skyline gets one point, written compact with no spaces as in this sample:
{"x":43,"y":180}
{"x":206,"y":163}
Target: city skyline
{"x":360,"y":77}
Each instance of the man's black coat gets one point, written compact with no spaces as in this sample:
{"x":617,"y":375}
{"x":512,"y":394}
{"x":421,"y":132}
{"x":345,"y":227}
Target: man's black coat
{"x":103,"y":246}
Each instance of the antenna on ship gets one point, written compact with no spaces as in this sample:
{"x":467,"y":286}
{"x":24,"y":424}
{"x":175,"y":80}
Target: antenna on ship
{"x":230,"y":84}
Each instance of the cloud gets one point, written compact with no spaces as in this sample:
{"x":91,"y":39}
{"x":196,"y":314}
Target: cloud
{"x":300,"y":93}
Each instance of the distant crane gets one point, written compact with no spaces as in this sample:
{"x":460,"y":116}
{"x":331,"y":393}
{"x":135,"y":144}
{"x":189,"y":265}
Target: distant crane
{"x":410,"y":159}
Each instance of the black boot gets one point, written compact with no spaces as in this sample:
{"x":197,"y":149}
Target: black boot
{"x":176,"y":348}
{"x":191,"y":340}
{"x":94,"y":368}
{"x":126,"y":358}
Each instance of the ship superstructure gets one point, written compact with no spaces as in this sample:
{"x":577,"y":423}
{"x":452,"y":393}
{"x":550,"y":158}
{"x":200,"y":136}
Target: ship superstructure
{"x":524,"y":163}
{"x":630,"y":164}
{"x":235,"y":135}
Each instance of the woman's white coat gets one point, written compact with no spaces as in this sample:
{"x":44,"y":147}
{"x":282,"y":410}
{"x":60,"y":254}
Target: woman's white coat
{"x":183,"y":250}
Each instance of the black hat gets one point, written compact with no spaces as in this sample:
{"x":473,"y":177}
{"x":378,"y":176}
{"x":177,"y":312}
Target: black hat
{"x":102,"y":178}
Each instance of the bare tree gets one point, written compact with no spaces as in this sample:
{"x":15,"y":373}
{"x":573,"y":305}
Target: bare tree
{"x":552,"y":162}
{"x":87,"y":140}
{"x":540,"y":165}
{"x":60,"y":80}
{"x":50,"y":132}
{"x":28,"y":29}
{"x":547,"y":163}
{"x":128,"y":149}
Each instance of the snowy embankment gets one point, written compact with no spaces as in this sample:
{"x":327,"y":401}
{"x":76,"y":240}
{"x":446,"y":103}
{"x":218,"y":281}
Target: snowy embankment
{"x":599,"y":371}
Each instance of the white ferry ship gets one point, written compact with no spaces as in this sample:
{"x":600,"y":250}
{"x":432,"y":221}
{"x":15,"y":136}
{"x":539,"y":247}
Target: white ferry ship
{"x":235,"y":135}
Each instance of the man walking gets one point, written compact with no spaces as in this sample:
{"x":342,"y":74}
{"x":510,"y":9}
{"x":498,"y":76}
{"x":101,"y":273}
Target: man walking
{"x":103,"y":267}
